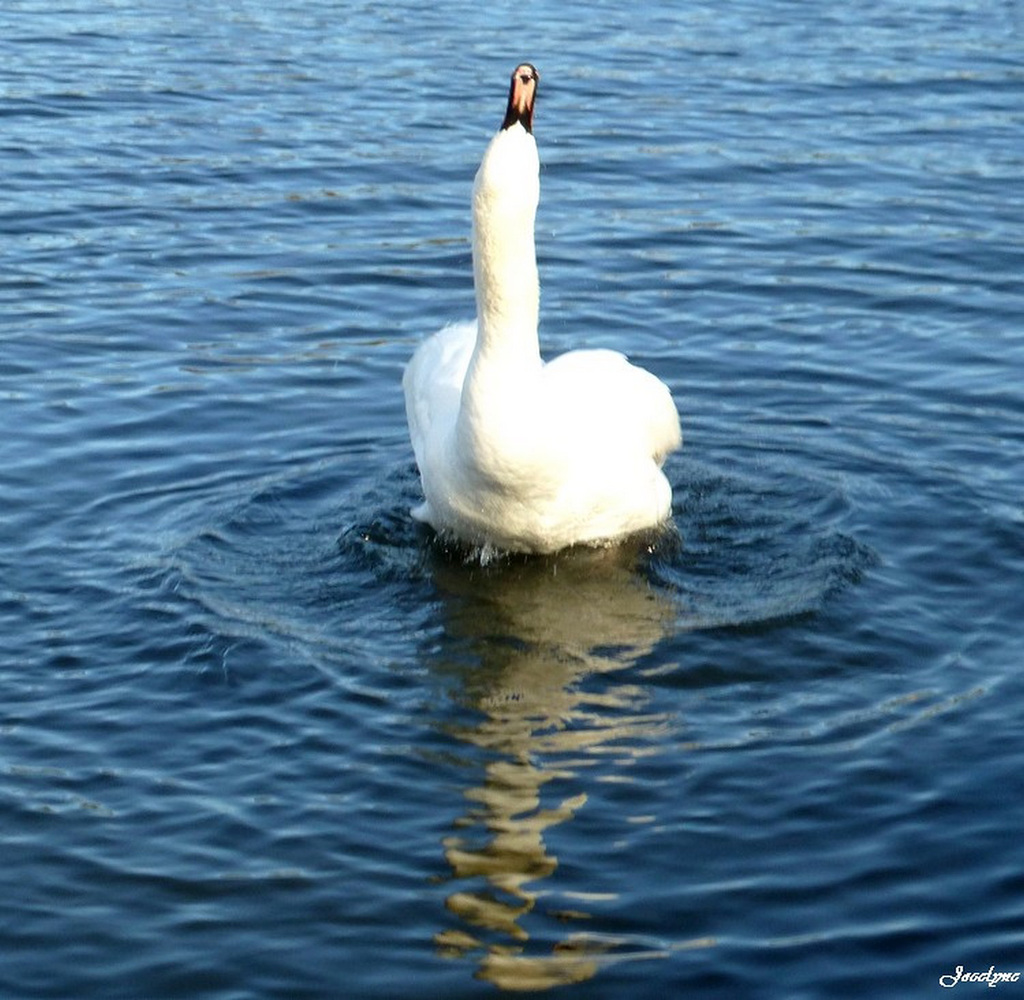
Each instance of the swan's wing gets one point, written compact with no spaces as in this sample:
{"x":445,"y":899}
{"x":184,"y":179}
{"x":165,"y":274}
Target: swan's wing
{"x":433,"y":384}
{"x":619,"y":401}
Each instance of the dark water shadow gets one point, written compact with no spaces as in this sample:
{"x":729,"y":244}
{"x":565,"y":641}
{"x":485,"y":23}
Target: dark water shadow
{"x":538,"y":657}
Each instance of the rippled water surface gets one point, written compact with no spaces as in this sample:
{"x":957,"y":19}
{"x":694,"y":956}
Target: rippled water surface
{"x":264,"y":737}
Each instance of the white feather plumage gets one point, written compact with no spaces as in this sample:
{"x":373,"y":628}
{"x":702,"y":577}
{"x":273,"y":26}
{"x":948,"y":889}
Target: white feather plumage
{"x":514,"y":453}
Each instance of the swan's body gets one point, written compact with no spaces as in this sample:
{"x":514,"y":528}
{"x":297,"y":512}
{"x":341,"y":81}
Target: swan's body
{"x":515,"y":453}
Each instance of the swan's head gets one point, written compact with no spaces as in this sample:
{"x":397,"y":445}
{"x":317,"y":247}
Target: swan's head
{"x":521,"y":96}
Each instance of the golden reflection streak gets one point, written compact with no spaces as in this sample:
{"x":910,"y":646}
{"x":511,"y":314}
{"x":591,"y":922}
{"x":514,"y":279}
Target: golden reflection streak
{"x":539,"y":627}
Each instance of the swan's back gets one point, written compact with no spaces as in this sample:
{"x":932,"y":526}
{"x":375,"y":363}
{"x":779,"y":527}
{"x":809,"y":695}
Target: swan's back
{"x":566,"y":454}
{"x":614,"y":405}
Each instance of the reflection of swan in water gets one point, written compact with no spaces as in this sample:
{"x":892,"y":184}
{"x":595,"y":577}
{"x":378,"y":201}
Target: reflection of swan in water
{"x":538,"y":628}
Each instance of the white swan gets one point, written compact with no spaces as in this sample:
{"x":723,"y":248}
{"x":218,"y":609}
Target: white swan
{"x":513,"y":453}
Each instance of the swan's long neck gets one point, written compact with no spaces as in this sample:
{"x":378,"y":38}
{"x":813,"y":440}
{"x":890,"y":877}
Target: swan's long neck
{"x":505,"y":198}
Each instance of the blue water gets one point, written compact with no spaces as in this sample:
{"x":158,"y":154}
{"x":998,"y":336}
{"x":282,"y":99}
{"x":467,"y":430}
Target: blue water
{"x":264,"y":737}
